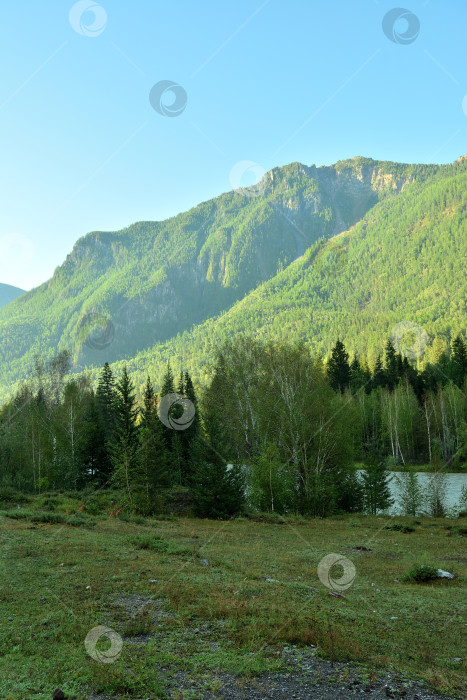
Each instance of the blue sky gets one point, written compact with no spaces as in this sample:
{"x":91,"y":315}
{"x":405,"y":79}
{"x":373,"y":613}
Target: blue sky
{"x":269,"y":82}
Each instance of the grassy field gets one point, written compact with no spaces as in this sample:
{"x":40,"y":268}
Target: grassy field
{"x":195,"y":599}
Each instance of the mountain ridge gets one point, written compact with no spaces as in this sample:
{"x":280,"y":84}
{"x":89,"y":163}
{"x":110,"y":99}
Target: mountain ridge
{"x":155,"y":281}
{"x":8,"y":293}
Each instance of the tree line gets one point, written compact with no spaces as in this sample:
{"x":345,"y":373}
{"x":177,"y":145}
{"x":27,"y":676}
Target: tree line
{"x":275,"y":429}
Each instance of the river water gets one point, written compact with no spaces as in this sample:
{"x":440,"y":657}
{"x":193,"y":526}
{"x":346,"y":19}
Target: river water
{"x":451,"y":489}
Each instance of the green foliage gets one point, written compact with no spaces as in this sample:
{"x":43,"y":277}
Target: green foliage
{"x":376,"y":492}
{"x":218,"y":488}
{"x":421,"y":573}
{"x":398,"y":527}
{"x":271,"y":482}
{"x":212,"y":272}
{"x":270,"y":432}
{"x":338,"y":368}
{"x":51,"y":518}
{"x":155,"y":543}
{"x":410,"y":492}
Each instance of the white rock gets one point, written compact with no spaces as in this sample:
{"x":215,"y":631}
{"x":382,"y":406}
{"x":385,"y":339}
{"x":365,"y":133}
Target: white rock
{"x":443,"y":574}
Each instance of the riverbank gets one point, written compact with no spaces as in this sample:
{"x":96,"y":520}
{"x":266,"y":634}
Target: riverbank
{"x":460,"y":469}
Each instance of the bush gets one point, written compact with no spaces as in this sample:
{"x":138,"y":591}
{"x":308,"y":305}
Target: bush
{"x":11,"y":495}
{"x":135,"y":519}
{"x":155,"y":543}
{"x":273,"y":518}
{"x":397,"y":527}
{"x":421,"y":573}
{"x":50,"y":503}
{"x":51,"y":518}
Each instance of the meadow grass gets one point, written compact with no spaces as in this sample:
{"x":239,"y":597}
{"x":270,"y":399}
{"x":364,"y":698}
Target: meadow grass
{"x":189,"y":596}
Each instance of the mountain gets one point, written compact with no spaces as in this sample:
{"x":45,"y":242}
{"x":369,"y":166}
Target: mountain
{"x":8,"y":293}
{"x":307,"y":254}
{"x":402,"y":265}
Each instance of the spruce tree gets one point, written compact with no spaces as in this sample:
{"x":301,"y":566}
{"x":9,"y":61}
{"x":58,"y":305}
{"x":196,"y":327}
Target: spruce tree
{"x":357,"y":375}
{"x":378,"y":379}
{"x":127,"y":474}
{"x":171,"y":441}
{"x":219,"y":488}
{"x":189,"y":438}
{"x":152,"y":454}
{"x":106,"y":398}
{"x":459,"y":361}
{"x":391,"y":366}
{"x":376,"y":491}
{"x":93,"y":451}
{"x":338,"y":368}
{"x":167,"y":382}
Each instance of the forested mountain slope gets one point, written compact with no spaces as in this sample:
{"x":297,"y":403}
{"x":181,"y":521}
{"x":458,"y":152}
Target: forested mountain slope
{"x":404,"y":261}
{"x":8,"y":293}
{"x":153,"y":280}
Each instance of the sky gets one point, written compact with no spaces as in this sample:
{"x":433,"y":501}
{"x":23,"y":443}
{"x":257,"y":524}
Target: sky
{"x":93,"y":137}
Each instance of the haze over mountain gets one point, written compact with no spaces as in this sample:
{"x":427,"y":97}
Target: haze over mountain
{"x":308,"y":254}
{"x":8,"y":293}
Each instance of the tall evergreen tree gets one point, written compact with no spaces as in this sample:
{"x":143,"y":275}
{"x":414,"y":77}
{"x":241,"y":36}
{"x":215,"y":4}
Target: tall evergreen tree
{"x":152,"y":454}
{"x":358,"y":378}
{"x":219,"y":489}
{"x":378,"y":378}
{"x":391,"y":366}
{"x":376,"y":491}
{"x":127,"y":474}
{"x":93,"y":450}
{"x":181,"y":383}
{"x":338,"y":368}
{"x":459,"y":361}
{"x":168,"y":385}
{"x":190,"y":437}
{"x":106,"y":401}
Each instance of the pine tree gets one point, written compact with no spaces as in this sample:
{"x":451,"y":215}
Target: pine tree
{"x":106,"y":399}
{"x":410,"y":495}
{"x":338,"y":368}
{"x":459,"y":361}
{"x":219,"y":488}
{"x":181,"y":384}
{"x":358,"y":378}
{"x":168,"y":382}
{"x":93,"y":451}
{"x":375,"y":477}
{"x":171,"y":440}
{"x":189,"y":438}
{"x":152,"y":454}
{"x":435,"y":490}
{"x":127,"y":474}
{"x":391,"y":366}
{"x":378,"y":378}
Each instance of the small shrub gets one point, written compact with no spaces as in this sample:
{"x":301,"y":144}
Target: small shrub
{"x":421,"y":573}
{"x":273,"y":518}
{"x":51,"y":518}
{"x":135,"y":519}
{"x":79,"y":521}
{"x":397,"y":527}
{"x":141,"y":623}
{"x":150,"y":541}
{"x":155,"y":543}
{"x":18,"y":514}
{"x":10,"y":495}
{"x":50,"y":503}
